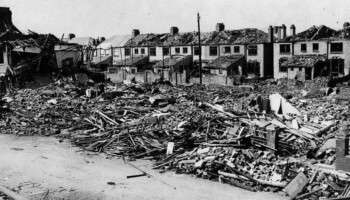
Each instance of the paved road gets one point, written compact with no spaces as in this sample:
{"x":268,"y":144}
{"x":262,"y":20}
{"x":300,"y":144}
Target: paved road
{"x":40,"y":167}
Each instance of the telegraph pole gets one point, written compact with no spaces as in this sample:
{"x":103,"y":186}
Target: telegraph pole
{"x":200,"y":49}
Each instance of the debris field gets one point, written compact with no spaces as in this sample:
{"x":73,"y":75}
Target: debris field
{"x":273,"y":136}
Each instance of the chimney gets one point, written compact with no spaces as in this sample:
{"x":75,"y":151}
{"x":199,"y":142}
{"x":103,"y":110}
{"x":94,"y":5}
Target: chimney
{"x":71,"y":35}
{"x":292,"y":30}
{"x":279,"y":32}
{"x":220,"y":27}
{"x":284,"y":31}
{"x":135,"y":32}
{"x":174,"y":30}
{"x":271,"y":34}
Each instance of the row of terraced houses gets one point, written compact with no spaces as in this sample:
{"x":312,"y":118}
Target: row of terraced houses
{"x":277,"y":53}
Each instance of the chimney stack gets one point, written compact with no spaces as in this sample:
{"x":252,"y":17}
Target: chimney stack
{"x":135,"y":32}
{"x":284,"y":31}
{"x":220,"y":27}
{"x":292,"y":30}
{"x":71,"y":36}
{"x":174,"y":30}
{"x":279,"y":33}
{"x":271,"y":34}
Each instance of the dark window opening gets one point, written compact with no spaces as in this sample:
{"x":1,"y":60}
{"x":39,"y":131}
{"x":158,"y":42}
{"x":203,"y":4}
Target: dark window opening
{"x":2,"y":56}
{"x":133,"y":71}
{"x":252,"y":50}
{"x":285,"y":48}
{"x":213,"y":51}
{"x":152,"y":51}
{"x":236,"y":49}
{"x":165,"y":51}
{"x":253,"y":67}
{"x":300,"y":69}
{"x":227,"y":49}
{"x":220,"y":71}
{"x":292,"y":69}
{"x":142,"y":51}
{"x":196,"y":51}
{"x":283,"y":68}
{"x":315,"y":47}
{"x":337,"y":47}
{"x":184,"y":50}
{"x":127,"y":52}
{"x":136,"y":51}
{"x":303,"y":48}
{"x":177,"y":50}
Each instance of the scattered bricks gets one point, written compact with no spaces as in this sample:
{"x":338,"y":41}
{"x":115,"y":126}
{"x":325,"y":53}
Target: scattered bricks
{"x":296,"y":185}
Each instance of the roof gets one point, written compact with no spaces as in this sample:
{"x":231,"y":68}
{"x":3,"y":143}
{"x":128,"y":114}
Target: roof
{"x":172,"y":60}
{"x":84,"y":41}
{"x":304,"y":60}
{"x":133,"y":61}
{"x":115,"y":41}
{"x":241,"y":36}
{"x":223,"y":62}
{"x":313,"y":33}
{"x":102,"y":60}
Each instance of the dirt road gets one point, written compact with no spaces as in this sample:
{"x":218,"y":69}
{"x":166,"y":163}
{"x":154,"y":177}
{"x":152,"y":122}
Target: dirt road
{"x":44,"y":168}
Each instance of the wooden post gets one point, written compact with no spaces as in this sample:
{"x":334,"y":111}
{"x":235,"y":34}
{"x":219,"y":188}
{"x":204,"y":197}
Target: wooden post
{"x":200,"y":49}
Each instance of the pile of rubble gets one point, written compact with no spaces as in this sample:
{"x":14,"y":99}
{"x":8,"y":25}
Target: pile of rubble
{"x":247,"y":136}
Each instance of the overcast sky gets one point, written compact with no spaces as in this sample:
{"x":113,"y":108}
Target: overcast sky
{"x":110,"y":17}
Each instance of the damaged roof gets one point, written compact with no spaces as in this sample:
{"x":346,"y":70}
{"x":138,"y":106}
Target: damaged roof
{"x":241,"y":36}
{"x":132,"y":61}
{"x":115,"y":41}
{"x":304,"y":60}
{"x":223,"y":62}
{"x":172,"y":60}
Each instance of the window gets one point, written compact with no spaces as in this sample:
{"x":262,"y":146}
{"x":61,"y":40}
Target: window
{"x":227,"y":49}
{"x":184,"y":50}
{"x":236,"y":49}
{"x":152,"y":51}
{"x":1,"y":55}
{"x":300,"y":69}
{"x":196,"y":51}
{"x":106,"y":52}
{"x":292,"y":69}
{"x":220,"y":71}
{"x":127,"y":52}
{"x":133,"y":71}
{"x":165,"y":51}
{"x":213,"y":51}
{"x":284,"y":48}
{"x":337,"y":47}
{"x":315,"y":47}
{"x":252,"y":50}
{"x":177,"y":50}
{"x":95,"y":53}
{"x":142,"y":51}
{"x":116,"y":52}
{"x":283,"y":68}
{"x":136,"y":51}
{"x":303,"y":48}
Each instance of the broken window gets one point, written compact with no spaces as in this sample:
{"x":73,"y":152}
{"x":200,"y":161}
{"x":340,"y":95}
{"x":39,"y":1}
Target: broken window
{"x":142,"y":51}
{"x":196,"y":51}
{"x":165,"y":51}
{"x":177,"y":50}
{"x":236,"y":49}
{"x":252,"y":50}
{"x":315,"y":47}
{"x":337,"y":47}
{"x":127,"y":52}
{"x":213,"y":51}
{"x":303,"y":48}
{"x":284,"y":48}
{"x":283,"y":68}
{"x":184,"y":50}
{"x":152,"y":51}
{"x":136,"y":51}
{"x":227,"y":49}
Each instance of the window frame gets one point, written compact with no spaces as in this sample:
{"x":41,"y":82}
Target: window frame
{"x":227,"y":50}
{"x":236,"y":49}
{"x":196,"y":50}
{"x":143,"y":51}
{"x":165,"y":51}
{"x":183,"y":50}
{"x":252,"y":50}
{"x":302,"y":49}
{"x":152,"y":51}
{"x":177,"y":50}
{"x":314,"y":45}
{"x":136,"y":51}
{"x":285,"y":52}
{"x":337,"y":51}
{"x":213,"y":48}
{"x":127,"y":51}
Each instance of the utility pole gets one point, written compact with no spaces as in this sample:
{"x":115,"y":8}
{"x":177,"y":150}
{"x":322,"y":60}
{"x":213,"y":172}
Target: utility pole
{"x":200,"y":49}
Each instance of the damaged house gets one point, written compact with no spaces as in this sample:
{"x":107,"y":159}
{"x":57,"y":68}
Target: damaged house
{"x":317,"y":51}
{"x":23,"y":54}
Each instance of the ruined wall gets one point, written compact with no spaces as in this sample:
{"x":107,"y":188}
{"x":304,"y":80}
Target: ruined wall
{"x":259,"y":57}
{"x":276,"y":58}
{"x":213,"y":80}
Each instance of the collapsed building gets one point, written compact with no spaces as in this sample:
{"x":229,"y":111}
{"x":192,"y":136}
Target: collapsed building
{"x":23,"y":54}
